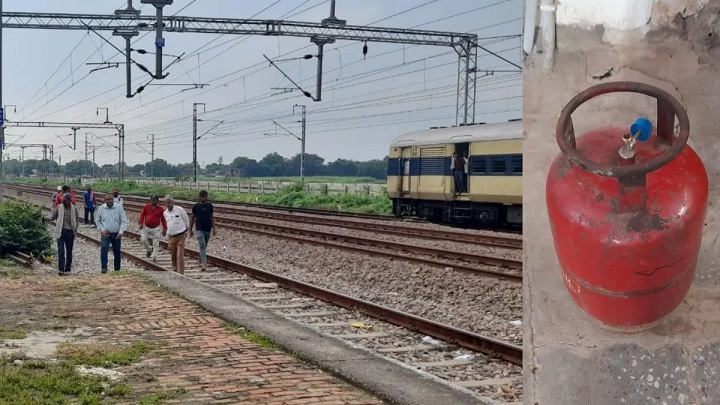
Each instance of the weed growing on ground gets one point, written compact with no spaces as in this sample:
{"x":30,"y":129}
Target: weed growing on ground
{"x":15,"y":334}
{"x":159,"y":397}
{"x":38,"y":382}
{"x":102,"y":355}
{"x":251,"y":336}
{"x":13,"y":272}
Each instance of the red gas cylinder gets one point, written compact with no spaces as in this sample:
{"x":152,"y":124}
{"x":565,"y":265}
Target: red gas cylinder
{"x":627,"y":208}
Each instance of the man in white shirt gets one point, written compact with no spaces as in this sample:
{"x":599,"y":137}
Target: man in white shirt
{"x":178,"y":225}
{"x":117,"y":197}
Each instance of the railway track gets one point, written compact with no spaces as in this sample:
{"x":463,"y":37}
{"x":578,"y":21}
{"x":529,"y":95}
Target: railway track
{"x":21,"y":259}
{"x":495,"y":365}
{"x":507,"y":268}
{"x":390,"y":225}
{"x":394,"y":229}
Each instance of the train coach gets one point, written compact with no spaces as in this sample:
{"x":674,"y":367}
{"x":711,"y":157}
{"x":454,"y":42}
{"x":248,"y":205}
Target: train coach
{"x":420,"y":180}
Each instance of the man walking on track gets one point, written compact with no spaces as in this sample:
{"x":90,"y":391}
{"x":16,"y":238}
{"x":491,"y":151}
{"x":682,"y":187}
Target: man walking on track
{"x":89,"y":198}
{"x":112,"y":223}
{"x":204,"y":222}
{"x":117,"y":197}
{"x":61,"y":194}
{"x":177,"y":227}
{"x":54,"y":196}
{"x":150,"y":220}
{"x":66,"y":225}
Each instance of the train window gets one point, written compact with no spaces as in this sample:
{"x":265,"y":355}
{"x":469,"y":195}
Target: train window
{"x":498,"y":165}
{"x":478,"y":165}
{"x":516,"y":164}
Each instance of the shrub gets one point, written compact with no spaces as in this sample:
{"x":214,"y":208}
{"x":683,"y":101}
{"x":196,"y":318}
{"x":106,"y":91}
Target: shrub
{"x":22,"y":229}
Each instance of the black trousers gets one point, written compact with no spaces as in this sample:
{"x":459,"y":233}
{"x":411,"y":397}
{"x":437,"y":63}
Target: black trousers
{"x":90,"y":212}
{"x":65,"y":250}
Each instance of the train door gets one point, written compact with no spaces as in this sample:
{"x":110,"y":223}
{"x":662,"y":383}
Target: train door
{"x":463,"y":149}
{"x":406,"y":154}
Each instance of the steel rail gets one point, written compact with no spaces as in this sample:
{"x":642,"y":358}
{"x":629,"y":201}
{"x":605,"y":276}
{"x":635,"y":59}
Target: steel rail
{"x":487,"y":240}
{"x":355,"y":243}
{"x":470,"y":340}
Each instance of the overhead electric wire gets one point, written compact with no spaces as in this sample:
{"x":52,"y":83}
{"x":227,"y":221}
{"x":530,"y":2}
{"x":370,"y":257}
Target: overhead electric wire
{"x":295,"y":51}
{"x":57,"y":69}
{"x":346,"y":79}
{"x":400,"y":65}
{"x":340,"y":47}
{"x":137,"y":80}
{"x":168,"y":125}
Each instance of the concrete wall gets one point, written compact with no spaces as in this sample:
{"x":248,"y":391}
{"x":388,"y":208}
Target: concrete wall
{"x":570,"y":360}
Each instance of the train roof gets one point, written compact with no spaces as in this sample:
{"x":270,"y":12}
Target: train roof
{"x":468,"y":133}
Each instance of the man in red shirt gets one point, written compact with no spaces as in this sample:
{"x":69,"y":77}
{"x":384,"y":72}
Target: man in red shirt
{"x":150,"y":220}
{"x":65,"y":189}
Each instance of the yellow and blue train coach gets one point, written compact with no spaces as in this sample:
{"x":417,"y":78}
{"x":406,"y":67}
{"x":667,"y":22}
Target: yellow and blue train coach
{"x":420,"y":179}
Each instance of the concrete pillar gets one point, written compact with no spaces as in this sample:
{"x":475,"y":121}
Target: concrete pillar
{"x":674,"y":45}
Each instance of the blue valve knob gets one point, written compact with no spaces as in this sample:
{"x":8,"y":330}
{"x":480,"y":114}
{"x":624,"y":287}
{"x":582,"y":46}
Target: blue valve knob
{"x":641,"y":129}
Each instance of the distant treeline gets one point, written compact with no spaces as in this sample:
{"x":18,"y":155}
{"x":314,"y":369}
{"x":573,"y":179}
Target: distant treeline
{"x":272,"y":165}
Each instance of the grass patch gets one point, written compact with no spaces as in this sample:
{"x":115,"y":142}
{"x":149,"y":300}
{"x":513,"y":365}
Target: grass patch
{"x":79,"y":288}
{"x":13,"y":273}
{"x":14,"y":334}
{"x":41,"y":383}
{"x":7,"y":262}
{"x":252,"y":336}
{"x":103,"y":355}
{"x":121,"y":273}
{"x":160,"y":397}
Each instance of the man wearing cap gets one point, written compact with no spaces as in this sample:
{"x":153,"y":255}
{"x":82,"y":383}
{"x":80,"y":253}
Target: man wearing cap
{"x":112,"y":223}
{"x":66,"y":225}
{"x":117,"y":198}
{"x":150,"y":220}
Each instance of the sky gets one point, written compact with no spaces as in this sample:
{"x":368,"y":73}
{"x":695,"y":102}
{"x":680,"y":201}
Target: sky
{"x":366,"y":102}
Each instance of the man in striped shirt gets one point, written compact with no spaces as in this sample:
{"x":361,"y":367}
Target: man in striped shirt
{"x":150,"y":220}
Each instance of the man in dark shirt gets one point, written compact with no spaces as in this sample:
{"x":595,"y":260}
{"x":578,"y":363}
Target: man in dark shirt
{"x":204,"y":222}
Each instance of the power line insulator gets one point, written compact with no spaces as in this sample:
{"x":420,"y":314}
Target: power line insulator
{"x":365,"y":49}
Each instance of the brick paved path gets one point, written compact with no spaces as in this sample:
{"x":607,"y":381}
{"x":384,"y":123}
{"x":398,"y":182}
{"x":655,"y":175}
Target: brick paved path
{"x":198,"y":353}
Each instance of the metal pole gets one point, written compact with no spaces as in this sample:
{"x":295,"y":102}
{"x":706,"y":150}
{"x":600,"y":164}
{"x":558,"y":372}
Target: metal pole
{"x":302,"y":142}
{"x":159,"y":42}
{"x":45,"y":162}
{"x":195,"y":143}
{"x":93,"y":164}
{"x":318,"y":90}
{"x":302,"y":148}
{"x":466,"y":113}
{"x":85,"y":163}
{"x":128,"y":68}
{"x":122,"y":152}
{"x":2,"y":127}
{"x":152,"y":157}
